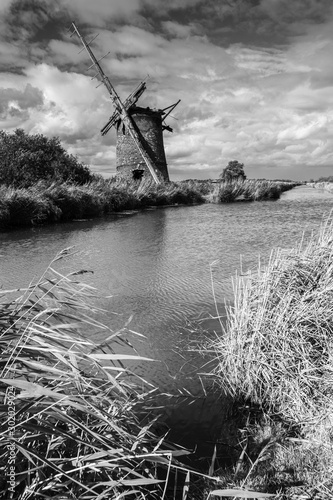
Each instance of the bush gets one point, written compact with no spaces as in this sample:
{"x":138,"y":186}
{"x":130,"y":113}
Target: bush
{"x":26,"y":159}
{"x":233,"y":171}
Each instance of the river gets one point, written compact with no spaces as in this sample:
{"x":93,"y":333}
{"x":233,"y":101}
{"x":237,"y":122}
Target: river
{"x":160,"y":266}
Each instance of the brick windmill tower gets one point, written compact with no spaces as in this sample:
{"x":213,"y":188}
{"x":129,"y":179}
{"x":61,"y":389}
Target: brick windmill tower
{"x":140,"y":147}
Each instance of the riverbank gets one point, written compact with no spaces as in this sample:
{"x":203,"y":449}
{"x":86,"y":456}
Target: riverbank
{"x":326,"y":186}
{"x":47,"y":203}
{"x":75,"y":412}
{"x":69,"y":407}
{"x":275,"y":360}
{"x":75,"y":420}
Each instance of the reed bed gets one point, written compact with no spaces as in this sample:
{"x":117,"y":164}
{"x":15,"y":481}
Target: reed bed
{"x":248,"y":190}
{"x":326,"y":186}
{"x":68,"y":406}
{"x":45,"y":203}
{"x":277,"y":347}
{"x":275,"y":356}
{"x":48,"y":203}
{"x":75,"y":421}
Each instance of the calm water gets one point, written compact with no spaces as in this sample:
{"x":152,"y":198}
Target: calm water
{"x":158,"y":266}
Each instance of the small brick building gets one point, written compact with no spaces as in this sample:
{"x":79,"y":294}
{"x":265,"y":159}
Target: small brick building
{"x":130,"y":164}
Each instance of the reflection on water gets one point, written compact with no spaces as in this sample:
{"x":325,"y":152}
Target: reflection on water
{"x":161,"y":266}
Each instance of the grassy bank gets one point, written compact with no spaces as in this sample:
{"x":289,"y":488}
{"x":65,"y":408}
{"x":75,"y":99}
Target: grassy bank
{"x":326,"y":186}
{"x":275,"y":358}
{"x":45,"y":203}
{"x":248,"y":190}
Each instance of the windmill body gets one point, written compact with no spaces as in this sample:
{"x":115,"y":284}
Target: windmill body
{"x":140,"y":147}
{"x":130,"y":164}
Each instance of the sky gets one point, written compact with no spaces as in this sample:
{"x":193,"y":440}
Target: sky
{"x":255,"y":79}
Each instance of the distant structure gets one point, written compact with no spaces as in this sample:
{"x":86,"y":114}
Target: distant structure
{"x":130,"y":163}
{"x":140,"y":148}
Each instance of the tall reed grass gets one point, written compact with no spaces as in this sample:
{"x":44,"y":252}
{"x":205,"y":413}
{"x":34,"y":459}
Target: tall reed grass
{"x":248,"y":190}
{"x":68,"y":406}
{"x":275,"y":355}
{"x":55,"y":202}
{"x":326,"y":186}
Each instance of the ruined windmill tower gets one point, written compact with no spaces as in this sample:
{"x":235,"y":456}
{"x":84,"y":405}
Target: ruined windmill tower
{"x":140,"y":148}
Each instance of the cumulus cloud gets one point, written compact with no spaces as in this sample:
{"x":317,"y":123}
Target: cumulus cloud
{"x":100,"y":12}
{"x":74,"y":109}
{"x":31,"y":97}
{"x":177,"y":30}
{"x":292,"y":13}
{"x":23,"y":20}
{"x":254,"y":77}
{"x":17,"y":106}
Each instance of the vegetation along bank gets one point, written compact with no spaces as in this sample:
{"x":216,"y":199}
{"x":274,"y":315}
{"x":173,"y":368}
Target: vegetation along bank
{"x":75,"y":422}
{"x":40,"y":183}
{"x":326,"y":186}
{"x":275,"y":359}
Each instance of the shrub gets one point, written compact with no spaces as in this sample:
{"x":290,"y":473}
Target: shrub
{"x":233,"y":171}
{"x":26,"y":159}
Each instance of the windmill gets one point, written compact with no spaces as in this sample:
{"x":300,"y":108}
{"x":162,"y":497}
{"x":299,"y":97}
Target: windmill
{"x":140,"y":146}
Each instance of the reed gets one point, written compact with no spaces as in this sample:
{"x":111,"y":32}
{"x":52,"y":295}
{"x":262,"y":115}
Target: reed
{"x":275,"y":356}
{"x":248,"y":190}
{"x":326,"y":186}
{"x":24,"y":207}
{"x":56,"y":202}
{"x":46,"y":202}
{"x":68,"y":406}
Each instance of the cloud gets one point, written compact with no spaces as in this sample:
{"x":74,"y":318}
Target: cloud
{"x":73,"y":108}
{"x":24,"y":19}
{"x":100,"y":12}
{"x":31,"y":97}
{"x":254,"y":77}
{"x":16,"y":106}
{"x":177,"y":30}
{"x":261,"y":61}
{"x":302,"y":129}
{"x":284,"y":12}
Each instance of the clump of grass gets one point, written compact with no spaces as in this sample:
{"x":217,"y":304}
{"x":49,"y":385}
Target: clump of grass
{"x":4,"y":213}
{"x":74,"y":433}
{"x":247,"y":190}
{"x":326,"y":186}
{"x":25,"y":207}
{"x":204,"y":187}
{"x":264,"y":190}
{"x":273,"y":459}
{"x":230,"y":191}
{"x":277,"y":349}
{"x":75,"y":202}
{"x":172,"y":193}
{"x":276,"y":354}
